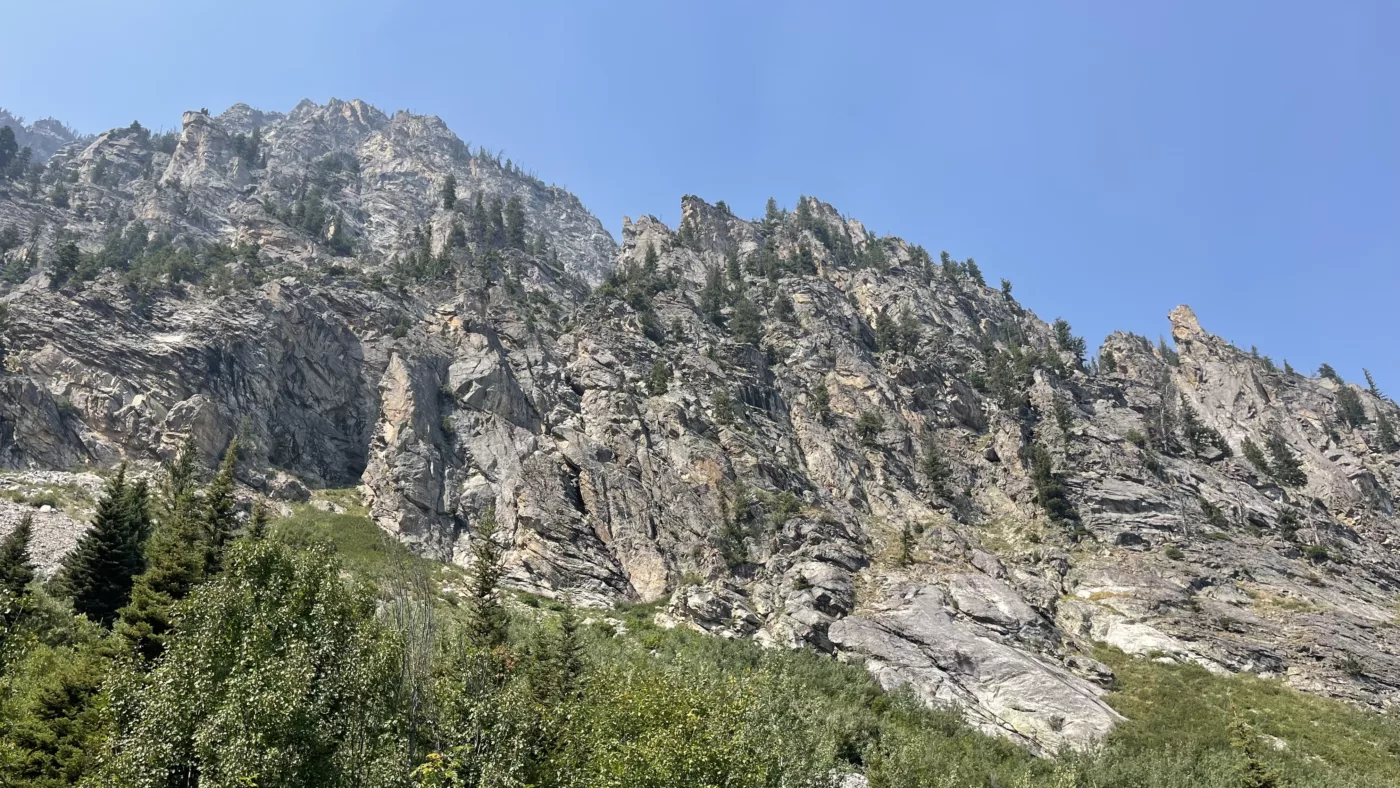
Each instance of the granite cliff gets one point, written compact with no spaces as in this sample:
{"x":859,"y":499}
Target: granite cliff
{"x":790,"y":428}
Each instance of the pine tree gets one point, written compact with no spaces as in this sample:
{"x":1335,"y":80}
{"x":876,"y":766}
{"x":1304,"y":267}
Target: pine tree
{"x":934,"y":468}
{"x":1068,"y":342}
{"x":1256,"y":457}
{"x":1385,"y":433}
{"x":98,"y":575}
{"x":821,"y":402}
{"x":1006,"y":290}
{"x":771,"y":214}
{"x":220,"y":521}
{"x":257,"y":526}
{"x":906,"y":546}
{"x":745,"y":322}
{"x":1108,"y":362}
{"x":1253,"y":772}
{"x":515,"y":228}
{"x":570,"y":649}
{"x":659,"y":379}
{"x":886,"y":333}
{"x":175,"y":559}
{"x":1349,"y":407}
{"x":713,"y":296}
{"x":910,"y":332}
{"x":974,"y":272}
{"x":1326,"y":371}
{"x":1286,"y":466}
{"x":486,"y":615}
{"x":733,"y":270}
{"x":1050,"y":490}
{"x":869,"y":425}
{"x":16,"y":565}
{"x":1288,"y":368}
{"x":449,"y":191}
{"x":1168,"y":354}
{"x":723,"y":406}
{"x":1371,"y":385}
{"x":783,"y":308}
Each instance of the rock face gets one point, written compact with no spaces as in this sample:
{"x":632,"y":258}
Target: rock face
{"x":794,"y":430}
{"x":42,"y":137}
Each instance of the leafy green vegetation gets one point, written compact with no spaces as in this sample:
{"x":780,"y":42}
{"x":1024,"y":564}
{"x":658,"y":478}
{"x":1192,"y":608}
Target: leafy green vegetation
{"x":282,"y":669}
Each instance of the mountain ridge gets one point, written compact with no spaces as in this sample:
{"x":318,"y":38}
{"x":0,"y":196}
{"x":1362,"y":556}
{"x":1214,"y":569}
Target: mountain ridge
{"x":791,"y":428}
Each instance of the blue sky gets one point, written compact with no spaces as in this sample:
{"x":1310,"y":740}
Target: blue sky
{"x":1111,"y":159}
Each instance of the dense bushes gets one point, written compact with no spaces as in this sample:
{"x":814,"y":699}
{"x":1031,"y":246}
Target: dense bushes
{"x":285,"y":669}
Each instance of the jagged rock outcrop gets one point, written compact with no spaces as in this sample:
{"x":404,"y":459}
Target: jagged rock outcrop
{"x":43,"y":137}
{"x":797,"y":431}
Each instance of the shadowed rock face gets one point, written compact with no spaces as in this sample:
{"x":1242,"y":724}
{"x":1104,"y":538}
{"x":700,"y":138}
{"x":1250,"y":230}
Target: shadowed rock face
{"x":636,"y":443}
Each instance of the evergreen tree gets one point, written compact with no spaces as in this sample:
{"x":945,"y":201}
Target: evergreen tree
{"x":713,"y":297}
{"x":1256,"y":457}
{"x":1349,"y":408}
{"x":1064,"y":418}
{"x":16,"y":565}
{"x":1288,"y":368}
{"x":934,"y":468}
{"x":723,"y":405}
{"x":1253,"y":772}
{"x":1199,"y":434}
{"x":486,"y":615}
{"x":906,"y":546}
{"x":98,"y":575}
{"x":1006,"y":290}
{"x":1167,"y":353}
{"x":887,"y":337}
{"x":1068,"y":342}
{"x":1326,"y":371}
{"x":175,"y":559}
{"x":782,"y":309}
{"x":480,"y":225}
{"x":449,"y":191}
{"x":1371,"y":385}
{"x":910,"y":332}
{"x":9,"y":149}
{"x":821,"y":402}
{"x":771,"y":215}
{"x":515,"y":228}
{"x":67,"y":259}
{"x":659,"y":379}
{"x":1385,"y":433}
{"x":1108,"y":362}
{"x":220,"y":515}
{"x":733,"y":270}
{"x":745,"y":322}
{"x":257,"y":526}
{"x":496,"y":213}
{"x":1286,"y":466}
{"x":869,"y":425}
{"x":974,"y":272}
{"x":1050,"y":490}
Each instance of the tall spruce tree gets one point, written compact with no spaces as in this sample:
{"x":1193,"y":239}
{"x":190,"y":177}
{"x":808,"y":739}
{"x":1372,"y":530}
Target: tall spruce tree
{"x":16,"y":564}
{"x":449,"y":191}
{"x":1286,"y":466}
{"x":220,"y":520}
{"x":175,"y":559}
{"x":98,"y":575}
{"x":486,"y":615}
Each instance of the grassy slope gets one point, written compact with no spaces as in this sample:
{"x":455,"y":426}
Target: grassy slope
{"x":1179,"y":716}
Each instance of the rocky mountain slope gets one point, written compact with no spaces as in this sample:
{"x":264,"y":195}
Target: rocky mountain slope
{"x":792,"y":429}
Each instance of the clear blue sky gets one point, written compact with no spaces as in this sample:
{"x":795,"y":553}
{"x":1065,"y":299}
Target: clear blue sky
{"x":1111,"y":159}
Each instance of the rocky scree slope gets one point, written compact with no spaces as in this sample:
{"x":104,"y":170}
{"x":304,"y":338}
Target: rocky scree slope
{"x":791,"y":428}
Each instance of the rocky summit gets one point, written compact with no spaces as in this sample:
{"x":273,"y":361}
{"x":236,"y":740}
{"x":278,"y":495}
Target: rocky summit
{"x":790,"y":428}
